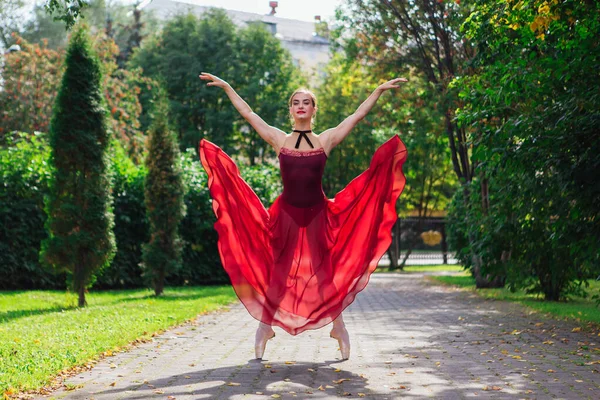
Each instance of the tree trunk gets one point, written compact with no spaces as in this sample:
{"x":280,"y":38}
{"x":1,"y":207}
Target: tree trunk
{"x":159,"y":283}
{"x":481,"y":282}
{"x":394,"y":249}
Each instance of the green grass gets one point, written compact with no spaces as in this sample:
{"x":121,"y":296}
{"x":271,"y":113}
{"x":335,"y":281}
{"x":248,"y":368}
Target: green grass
{"x":578,"y":308}
{"x":43,"y":332}
{"x":426,"y":268}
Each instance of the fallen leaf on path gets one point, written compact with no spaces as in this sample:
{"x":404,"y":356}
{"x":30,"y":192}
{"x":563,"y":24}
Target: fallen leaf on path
{"x":361,"y":394}
{"x":548,"y":342}
{"x":275,"y":396}
{"x":578,"y":329}
{"x":488,"y":388}
{"x":158,"y":391}
{"x":113,"y":365}
{"x":398,"y":387}
{"x":113,"y":384}
{"x":408,"y":371}
{"x":321,"y":388}
{"x":551,"y":371}
{"x":290,"y":362}
{"x":341,"y":380}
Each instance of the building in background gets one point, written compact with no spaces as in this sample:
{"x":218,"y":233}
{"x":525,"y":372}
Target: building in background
{"x":309,"y":50}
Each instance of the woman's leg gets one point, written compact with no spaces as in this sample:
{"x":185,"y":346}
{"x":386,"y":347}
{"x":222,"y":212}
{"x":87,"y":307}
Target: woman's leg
{"x":340,"y":333}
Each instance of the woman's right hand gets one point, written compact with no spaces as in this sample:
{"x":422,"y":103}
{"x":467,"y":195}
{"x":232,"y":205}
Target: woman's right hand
{"x":213,"y":80}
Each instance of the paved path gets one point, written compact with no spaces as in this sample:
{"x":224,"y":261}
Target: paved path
{"x":410,"y":339}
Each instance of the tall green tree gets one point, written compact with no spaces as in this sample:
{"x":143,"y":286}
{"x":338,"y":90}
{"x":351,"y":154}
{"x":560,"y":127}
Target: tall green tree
{"x":251,"y":59}
{"x":185,"y":47}
{"x":423,"y":35}
{"x":267,"y":80}
{"x":164,"y":198}
{"x":534,"y":97}
{"x":80,"y":219}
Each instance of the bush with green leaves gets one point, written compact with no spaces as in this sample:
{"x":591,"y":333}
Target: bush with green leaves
{"x":24,"y":176}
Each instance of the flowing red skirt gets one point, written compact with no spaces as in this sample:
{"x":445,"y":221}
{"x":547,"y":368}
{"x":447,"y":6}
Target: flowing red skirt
{"x":299,"y":268}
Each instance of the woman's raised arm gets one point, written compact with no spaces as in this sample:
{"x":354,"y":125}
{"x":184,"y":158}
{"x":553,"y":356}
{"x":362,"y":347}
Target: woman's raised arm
{"x":274,"y":136}
{"x":334,"y":136}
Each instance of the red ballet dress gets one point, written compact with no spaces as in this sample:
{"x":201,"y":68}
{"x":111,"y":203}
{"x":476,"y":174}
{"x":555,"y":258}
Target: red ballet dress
{"x":300,"y":263}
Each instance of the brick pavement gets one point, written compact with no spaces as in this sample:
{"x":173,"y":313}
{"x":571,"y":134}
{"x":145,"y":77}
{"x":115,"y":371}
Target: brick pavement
{"x":410,"y":339}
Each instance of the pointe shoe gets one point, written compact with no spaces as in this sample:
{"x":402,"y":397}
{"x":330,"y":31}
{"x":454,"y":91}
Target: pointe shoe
{"x":260,"y":342}
{"x":341,"y":335}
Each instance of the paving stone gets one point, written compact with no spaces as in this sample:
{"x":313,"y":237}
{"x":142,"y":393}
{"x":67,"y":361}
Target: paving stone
{"x":410,"y":339}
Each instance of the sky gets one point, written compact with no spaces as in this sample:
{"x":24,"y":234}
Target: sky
{"x":304,"y":10}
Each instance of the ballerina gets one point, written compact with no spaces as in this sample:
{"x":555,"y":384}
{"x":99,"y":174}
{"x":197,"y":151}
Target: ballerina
{"x":300,"y":263}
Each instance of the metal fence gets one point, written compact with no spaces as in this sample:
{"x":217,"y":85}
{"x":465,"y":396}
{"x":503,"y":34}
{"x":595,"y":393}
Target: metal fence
{"x":423,"y":239}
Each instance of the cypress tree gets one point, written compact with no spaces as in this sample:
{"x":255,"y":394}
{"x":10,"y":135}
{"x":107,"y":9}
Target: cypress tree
{"x":164,"y":195}
{"x":79,"y":206}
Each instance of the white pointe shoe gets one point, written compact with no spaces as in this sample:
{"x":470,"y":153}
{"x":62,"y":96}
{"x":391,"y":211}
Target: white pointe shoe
{"x":260,"y":343}
{"x":341,"y":335}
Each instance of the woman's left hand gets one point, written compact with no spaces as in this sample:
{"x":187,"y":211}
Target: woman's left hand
{"x":393,"y":84}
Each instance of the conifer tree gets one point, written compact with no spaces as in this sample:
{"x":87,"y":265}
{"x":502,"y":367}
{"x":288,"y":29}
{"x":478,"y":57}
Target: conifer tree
{"x":79,"y":206}
{"x":164,"y":195}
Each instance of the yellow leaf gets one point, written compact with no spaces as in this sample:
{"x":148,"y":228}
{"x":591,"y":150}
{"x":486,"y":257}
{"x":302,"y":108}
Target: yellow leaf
{"x":233,"y":384}
{"x":408,"y":371}
{"x":340,"y":381}
{"x":158,"y":391}
{"x":290,"y":362}
{"x":361,"y":394}
{"x":275,"y":396}
{"x":551,"y":371}
{"x":321,"y":388}
{"x":113,"y":365}
{"x":576,"y":330}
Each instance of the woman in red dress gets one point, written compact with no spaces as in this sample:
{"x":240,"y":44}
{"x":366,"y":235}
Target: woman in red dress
{"x":300,"y":263}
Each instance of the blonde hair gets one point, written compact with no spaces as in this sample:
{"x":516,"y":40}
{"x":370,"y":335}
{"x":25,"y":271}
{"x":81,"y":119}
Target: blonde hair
{"x":312,"y":97}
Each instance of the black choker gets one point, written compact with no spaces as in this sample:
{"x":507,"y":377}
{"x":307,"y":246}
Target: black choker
{"x":303,"y":135}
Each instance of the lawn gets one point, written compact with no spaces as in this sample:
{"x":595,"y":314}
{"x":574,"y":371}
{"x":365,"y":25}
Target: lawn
{"x":578,"y":308}
{"x":43,"y":332}
{"x":426,"y":268}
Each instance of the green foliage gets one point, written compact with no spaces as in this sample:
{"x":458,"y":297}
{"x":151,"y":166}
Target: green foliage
{"x":164,"y":194}
{"x":250,"y":59}
{"x":532,"y":102}
{"x":131,"y":224}
{"x":80,"y":220}
{"x":185,"y":47}
{"x":24,"y":162}
{"x":24,"y":177}
{"x":67,"y":11}
{"x":267,"y":81}
{"x":345,"y":85}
